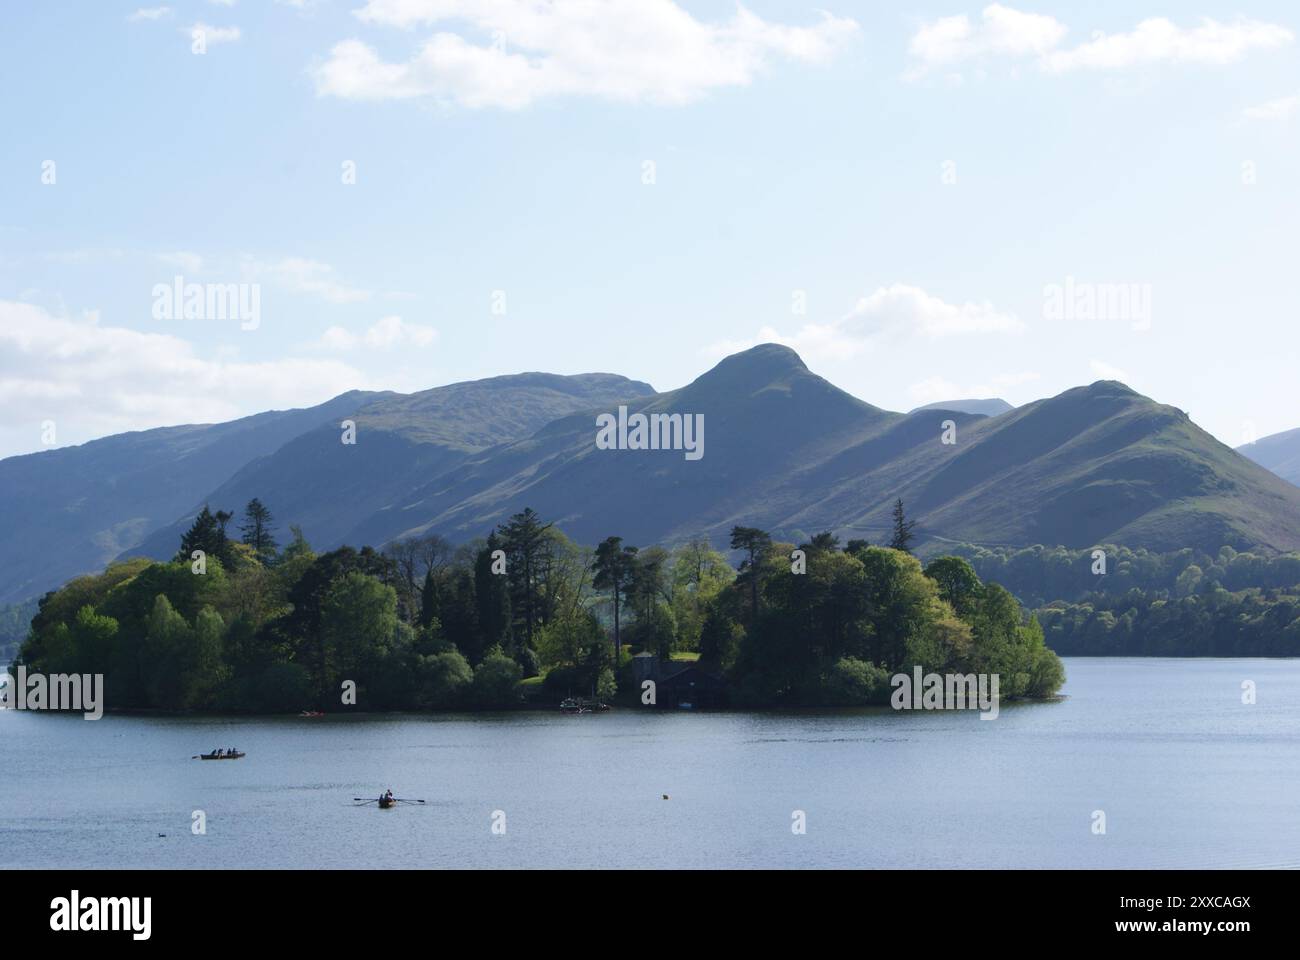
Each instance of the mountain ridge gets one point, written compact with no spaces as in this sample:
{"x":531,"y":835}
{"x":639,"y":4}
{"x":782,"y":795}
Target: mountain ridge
{"x":784,"y":449}
{"x":1278,"y":452}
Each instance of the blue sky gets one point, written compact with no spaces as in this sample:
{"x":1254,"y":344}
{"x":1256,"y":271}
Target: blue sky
{"x":914,"y":181}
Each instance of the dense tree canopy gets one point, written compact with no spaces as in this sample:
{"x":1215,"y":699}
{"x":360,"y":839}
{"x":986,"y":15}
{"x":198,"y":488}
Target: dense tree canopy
{"x":420,"y":625}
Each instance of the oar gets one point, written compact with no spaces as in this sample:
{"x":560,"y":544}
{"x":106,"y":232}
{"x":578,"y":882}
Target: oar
{"x":400,"y":800}
{"x":363,"y":801}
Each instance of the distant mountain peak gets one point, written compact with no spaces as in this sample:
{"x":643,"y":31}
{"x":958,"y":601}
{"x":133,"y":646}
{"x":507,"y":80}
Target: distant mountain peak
{"x":1108,"y":388}
{"x":989,"y":407}
{"x":765,"y":359}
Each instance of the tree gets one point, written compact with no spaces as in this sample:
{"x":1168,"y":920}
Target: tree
{"x":613,"y":564}
{"x":757,"y":544}
{"x":648,"y":583}
{"x":496,"y":680}
{"x":903,"y":528}
{"x":444,"y":679}
{"x":492,"y":593}
{"x":258,"y":529}
{"x":358,"y":622}
{"x":429,"y":600}
{"x":223,"y":517}
{"x":205,"y":534}
{"x":571,"y":639}
{"x":823,"y":541}
{"x":957,"y":580}
{"x":900,"y":599}
{"x":459,"y":615}
{"x":719,"y":639}
{"x":524,"y":539}
{"x":699,"y":574}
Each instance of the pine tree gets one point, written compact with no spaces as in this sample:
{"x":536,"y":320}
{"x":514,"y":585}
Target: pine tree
{"x":524,"y":540}
{"x":492,"y":593}
{"x":757,"y":544}
{"x":429,"y":599}
{"x":612,"y":566}
{"x":257,"y":529}
{"x":903,"y":527}
{"x":204,"y":534}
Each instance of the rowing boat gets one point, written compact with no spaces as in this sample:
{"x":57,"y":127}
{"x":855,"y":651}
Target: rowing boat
{"x":386,"y":802}
{"x":221,"y":756}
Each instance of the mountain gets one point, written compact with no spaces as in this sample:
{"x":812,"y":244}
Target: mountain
{"x":783,"y":449}
{"x":988,"y":408}
{"x":1279,"y":453}
{"x":402,"y":440}
{"x":69,"y":511}
{"x":790,"y":452}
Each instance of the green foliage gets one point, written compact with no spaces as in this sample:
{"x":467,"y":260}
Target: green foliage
{"x":208,"y":534}
{"x":1210,"y":623}
{"x":496,"y":680}
{"x":258,"y":529}
{"x":903,"y":534}
{"x":958,"y":583}
{"x":445,"y":679}
{"x":699,"y":574}
{"x":835,"y":634}
{"x":1040,"y":575}
{"x":612,"y":568}
{"x":416,"y":628}
{"x":15,"y":621}
{"x":720,"y":639}
{"x":853,"y":683}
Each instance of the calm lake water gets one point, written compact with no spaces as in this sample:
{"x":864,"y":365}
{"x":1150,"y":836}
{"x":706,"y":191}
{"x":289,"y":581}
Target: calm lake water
{"x":1187,"y":775}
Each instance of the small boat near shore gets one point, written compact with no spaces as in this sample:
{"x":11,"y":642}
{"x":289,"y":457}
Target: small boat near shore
{"x":311,"y":714}
{"x":576,"y":706}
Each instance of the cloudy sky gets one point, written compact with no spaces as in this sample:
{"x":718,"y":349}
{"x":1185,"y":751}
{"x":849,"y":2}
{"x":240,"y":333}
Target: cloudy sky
{"x":923,"y":202}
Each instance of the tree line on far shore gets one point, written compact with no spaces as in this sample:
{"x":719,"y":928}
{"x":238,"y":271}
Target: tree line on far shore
{"x":245,"y":624}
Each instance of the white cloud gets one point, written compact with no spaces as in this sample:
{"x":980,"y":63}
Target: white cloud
{"x":896,"y":312}
{"x":150,"y":13}
{"x":92,"y":379}
{"x":1160,"y":41}
{"x":1278,"y":109}
{"x":1013,"y":35}
{"x":213,"y":35}
{"x":1002,"y":31}
{"x":388,"y":332}
{"x":526,"y":50}
{"x":301,"y":275}
{"x":904,"y":309}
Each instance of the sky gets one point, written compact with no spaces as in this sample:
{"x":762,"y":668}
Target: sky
{"x":928,"y":201}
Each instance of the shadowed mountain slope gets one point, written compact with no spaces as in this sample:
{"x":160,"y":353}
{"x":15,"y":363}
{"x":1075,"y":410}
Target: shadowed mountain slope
{"x":783,"y":449}
{"x":68,"y":511}
{"x":788,"y":451}
{"x":1280,"y":453}
{"x":327,"y":486}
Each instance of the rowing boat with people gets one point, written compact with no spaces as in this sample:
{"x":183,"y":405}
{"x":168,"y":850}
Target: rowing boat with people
{"x":220,"y":755}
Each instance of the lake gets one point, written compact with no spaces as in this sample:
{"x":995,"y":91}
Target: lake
{"x":1187,"y":775}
